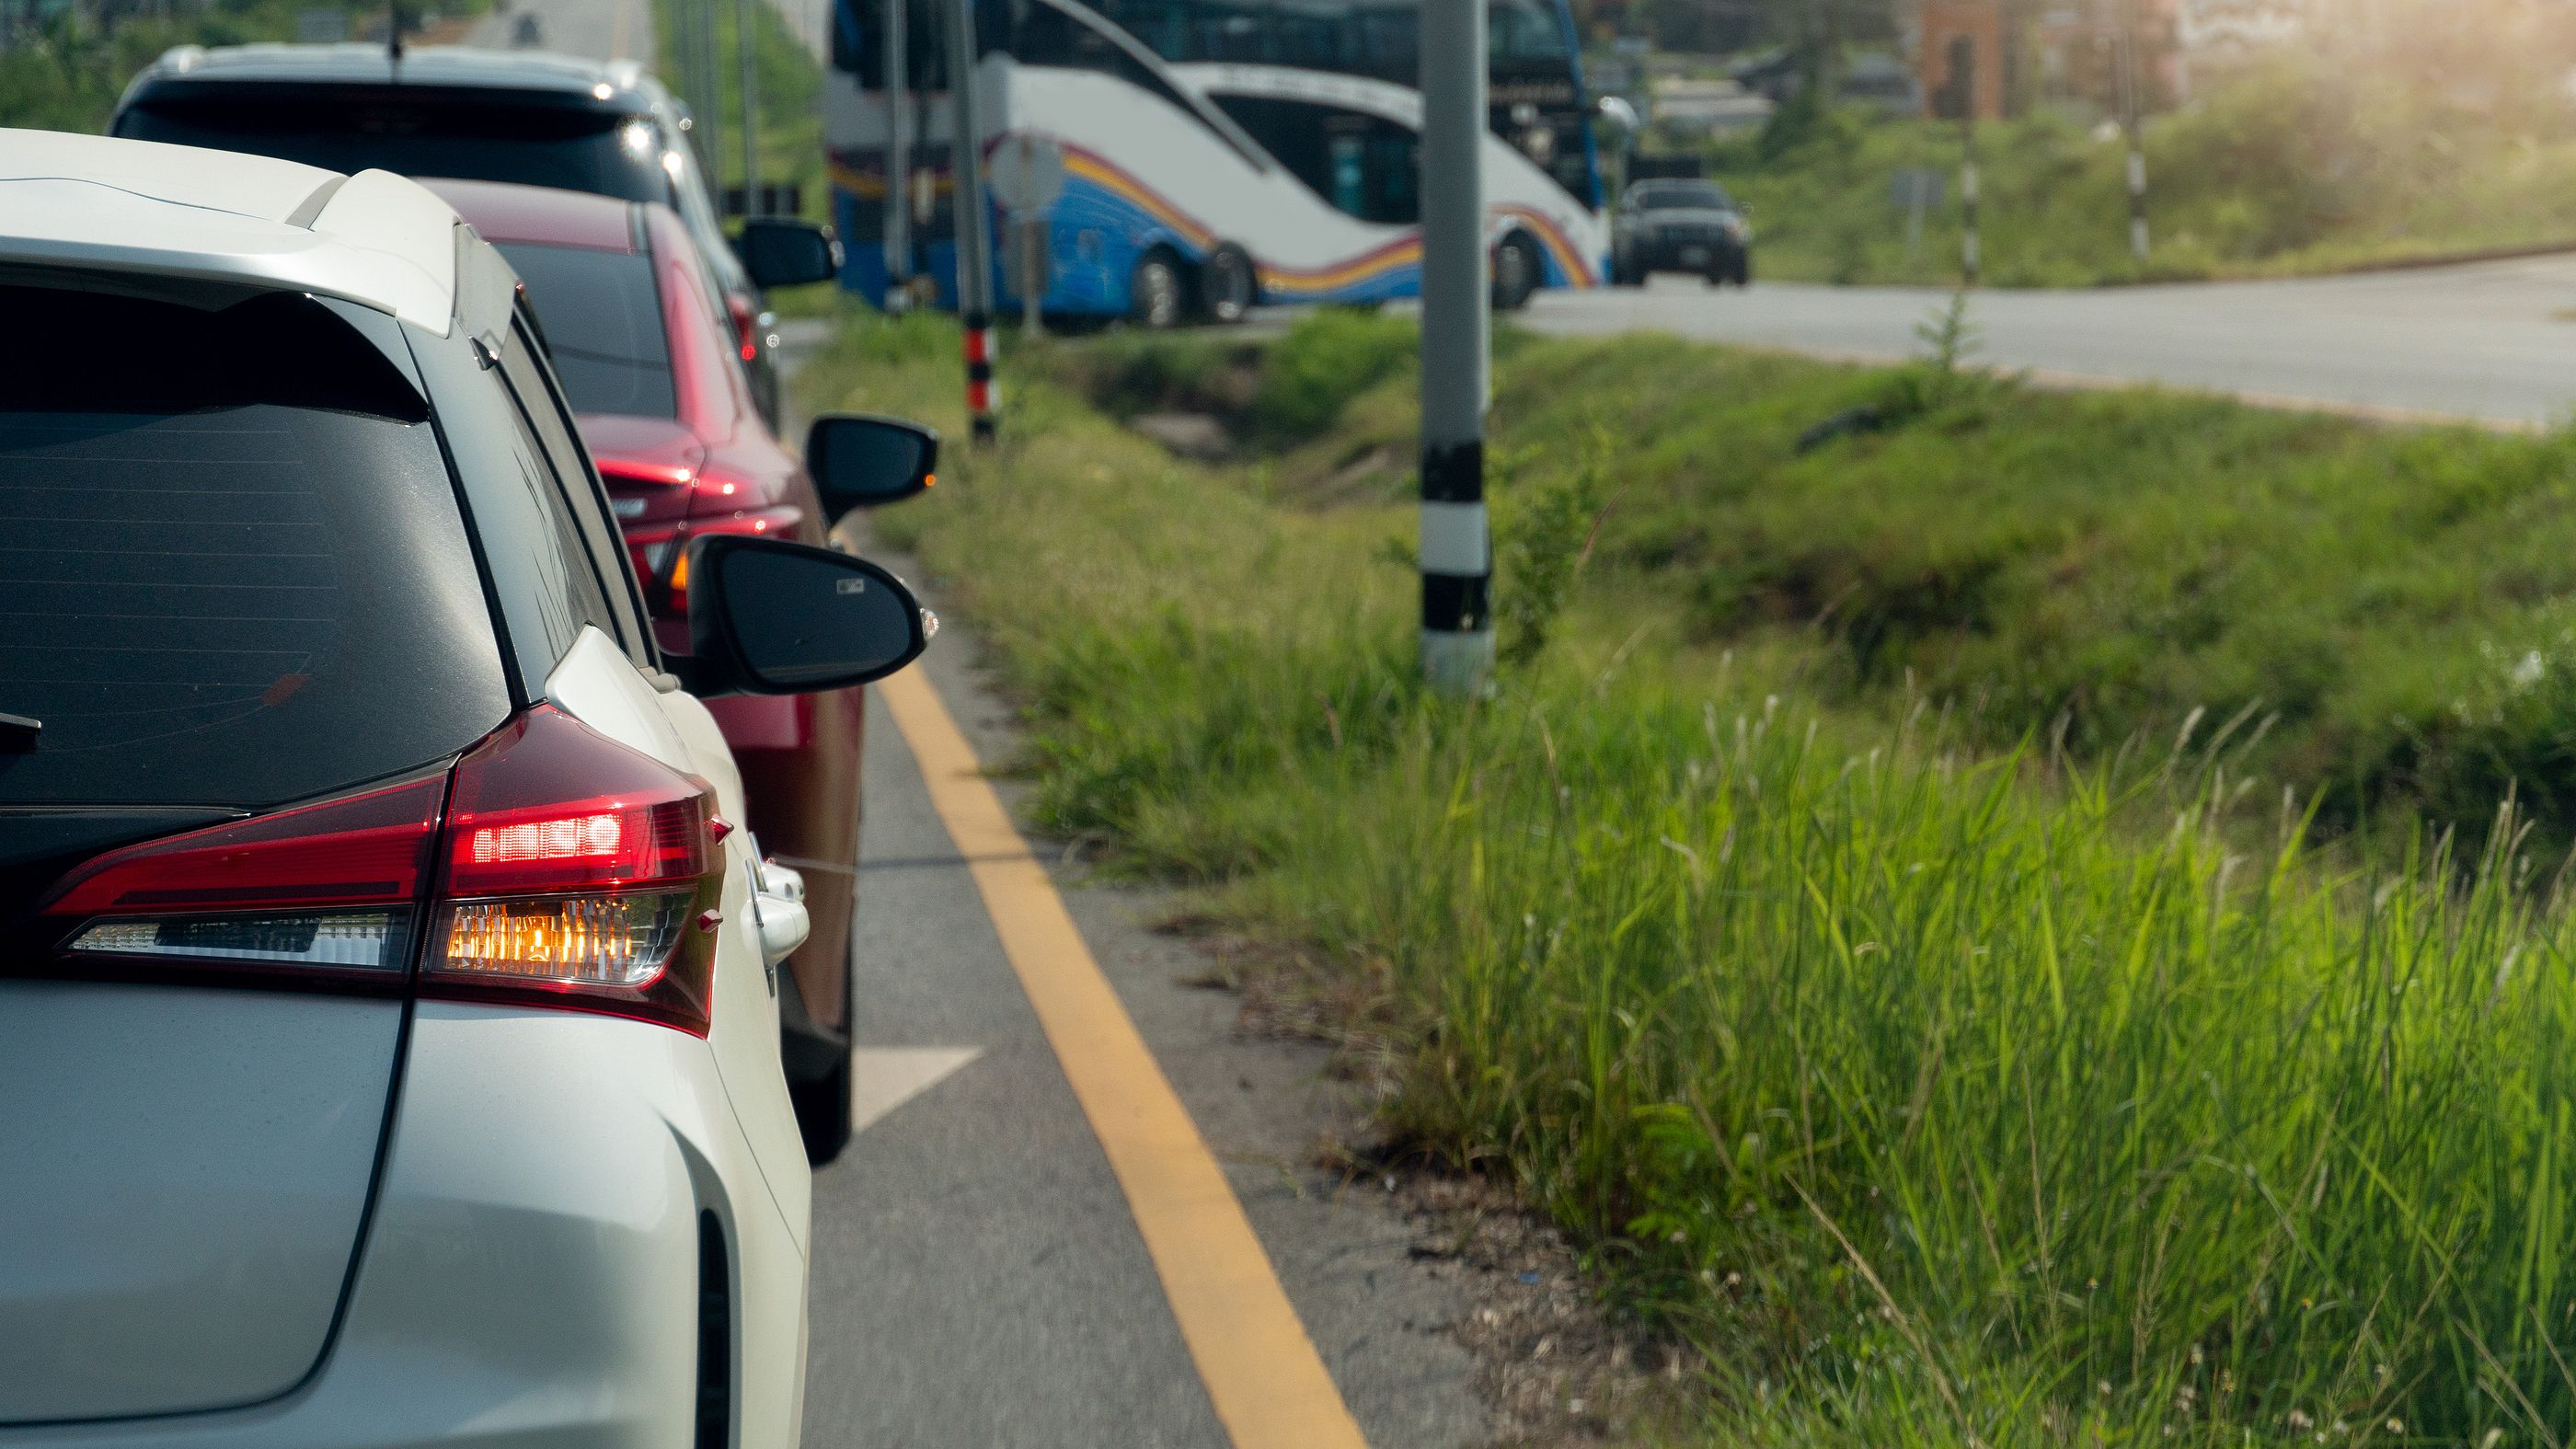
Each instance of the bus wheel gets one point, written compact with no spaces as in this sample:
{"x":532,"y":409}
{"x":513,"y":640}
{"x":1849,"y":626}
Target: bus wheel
{"x":1154,"y":292}
{"x":1226,"y":288}
{"x":1516,"y":273}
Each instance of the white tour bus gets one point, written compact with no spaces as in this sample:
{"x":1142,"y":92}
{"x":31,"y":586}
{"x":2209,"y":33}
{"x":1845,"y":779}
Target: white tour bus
{"x":1218,"y":155}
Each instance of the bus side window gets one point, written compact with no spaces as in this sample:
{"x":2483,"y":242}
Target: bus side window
{"x":1360,"y":165}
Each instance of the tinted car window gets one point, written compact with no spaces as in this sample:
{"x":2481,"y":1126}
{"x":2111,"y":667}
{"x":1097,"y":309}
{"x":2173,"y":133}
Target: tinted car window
{"x":582,"y":507}
{"x":603,"y":325}
{"x":232,"y":567}
{"x":444,"y":131}
{"x":536,"y":561}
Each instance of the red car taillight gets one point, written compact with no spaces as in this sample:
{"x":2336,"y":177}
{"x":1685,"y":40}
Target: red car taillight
{"x":333,"y":888}
{"x":579,"y":871}
{"x":661,"y":555}
{"x":569,"y":871}
{"x":746,"y":326}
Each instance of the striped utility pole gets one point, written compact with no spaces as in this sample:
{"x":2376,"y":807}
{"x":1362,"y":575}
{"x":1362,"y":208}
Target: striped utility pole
{"x":898,"y":157}
{"x":974,"y":254}
{"x":1968,"y":257}
{"x":1457,"y":547}
{"x":2133,"y":120}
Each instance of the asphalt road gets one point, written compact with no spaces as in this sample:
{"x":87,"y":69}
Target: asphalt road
{"x":2486,"y":340}
{"x":978,"y":1279}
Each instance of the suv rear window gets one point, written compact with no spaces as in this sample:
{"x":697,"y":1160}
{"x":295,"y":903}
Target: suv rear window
{"x":446,"y":131}
{"x":603,"y":325}
{"x":232,"y":567}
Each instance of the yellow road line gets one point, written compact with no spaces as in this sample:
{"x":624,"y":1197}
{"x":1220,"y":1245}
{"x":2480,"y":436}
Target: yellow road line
{"x":1262,"y":1373}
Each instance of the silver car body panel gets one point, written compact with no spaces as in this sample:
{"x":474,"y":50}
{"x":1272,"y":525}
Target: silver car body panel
{"x":183,"y":1176}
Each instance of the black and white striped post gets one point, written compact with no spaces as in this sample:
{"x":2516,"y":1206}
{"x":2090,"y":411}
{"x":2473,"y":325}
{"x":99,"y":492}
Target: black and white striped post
{"x":898,"y":167}
{"x":974,"y":243}
{"x":1457,"y":549}
{"x":2133,"y":121}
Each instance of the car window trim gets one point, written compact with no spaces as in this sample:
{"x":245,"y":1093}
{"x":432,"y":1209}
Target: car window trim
{"x":625,"y":603}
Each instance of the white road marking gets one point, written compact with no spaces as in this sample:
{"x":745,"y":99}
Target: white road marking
{"x":884,"y":1078}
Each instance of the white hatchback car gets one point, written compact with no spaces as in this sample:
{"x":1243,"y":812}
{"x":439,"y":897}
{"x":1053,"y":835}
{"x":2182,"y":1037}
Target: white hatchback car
{"x":388,"y":1040}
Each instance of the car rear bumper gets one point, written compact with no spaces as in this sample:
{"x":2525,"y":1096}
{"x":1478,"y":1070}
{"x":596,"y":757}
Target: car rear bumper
{"x":530,"y":1274}
{"x":1722,"y":256}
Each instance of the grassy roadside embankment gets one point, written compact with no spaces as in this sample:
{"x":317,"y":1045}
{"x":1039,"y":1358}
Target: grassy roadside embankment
{"x":1945,"y":1095}
{"x":2308,"y":164}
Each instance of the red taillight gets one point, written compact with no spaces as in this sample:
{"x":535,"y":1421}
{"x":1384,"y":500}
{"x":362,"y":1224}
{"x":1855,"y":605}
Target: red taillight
{"x":746,"y":327}
{"x":661,"y":555}
{"x":331,"y":887}
{"x":570,"y":871}
{"x":576,"y":873}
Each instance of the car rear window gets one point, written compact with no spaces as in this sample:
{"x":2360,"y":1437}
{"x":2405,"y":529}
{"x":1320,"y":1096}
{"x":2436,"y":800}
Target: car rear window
{"x":232,"y":567}
{"x":447,"y":131}
{"x":603,"y":325}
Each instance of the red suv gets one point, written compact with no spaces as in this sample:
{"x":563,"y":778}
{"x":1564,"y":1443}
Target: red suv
{"x":634,"y":319}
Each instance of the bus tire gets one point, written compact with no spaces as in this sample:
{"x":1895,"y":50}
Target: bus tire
{"x":1516,"y":273}
{"x":1155,"y":295}
{"x":1228,"y":290}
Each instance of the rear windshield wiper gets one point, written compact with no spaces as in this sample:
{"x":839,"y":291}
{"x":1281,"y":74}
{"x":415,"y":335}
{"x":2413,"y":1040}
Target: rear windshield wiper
{"x":18,"y":733}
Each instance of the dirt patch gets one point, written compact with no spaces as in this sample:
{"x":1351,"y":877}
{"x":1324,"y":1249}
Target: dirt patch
{"x":1196,"y":436}
{"x":1555,"y":1370}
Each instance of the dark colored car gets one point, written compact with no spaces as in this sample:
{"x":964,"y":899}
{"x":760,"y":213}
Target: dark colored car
{"x":1679,"y":226}
{"x":620,"y":293}
{"x":478,"y":115}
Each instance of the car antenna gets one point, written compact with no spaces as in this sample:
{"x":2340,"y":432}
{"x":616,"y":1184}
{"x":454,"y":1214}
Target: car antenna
{"x":393,"y":35}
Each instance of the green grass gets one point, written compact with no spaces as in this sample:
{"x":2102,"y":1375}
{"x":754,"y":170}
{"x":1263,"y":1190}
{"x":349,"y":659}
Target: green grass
{"x":1945,"y":1095}
{"x":2387,"y":606}
{"x":2306,"y":166}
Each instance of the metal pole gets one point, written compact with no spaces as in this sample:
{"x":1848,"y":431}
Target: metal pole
{"x":746,"y":59}
{"x":1968,"y":192}
{"x":2132,"y":117}
{"x":710,"y":112}
{"x":898,"y":154}
{"x":1032,"y":270}
{"x":974,"y":254}
{"x":1457,"y":547}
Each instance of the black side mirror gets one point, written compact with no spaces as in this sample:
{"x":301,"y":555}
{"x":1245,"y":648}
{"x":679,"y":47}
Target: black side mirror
{"x":861,"y":462}
{"x":771,"y":617}
{"x":782,"y":251}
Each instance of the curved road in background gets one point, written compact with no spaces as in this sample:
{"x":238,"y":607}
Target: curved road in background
{"x":2492,"y":341}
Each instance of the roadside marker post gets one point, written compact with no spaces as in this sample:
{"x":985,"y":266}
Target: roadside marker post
{"x":2133,"y":120}
{"x":898,"y":158}
{"x":1968,"y":258}
{"x":1027,"y":178}
{"x":974,"y":246}
{"x":1457,"y":551}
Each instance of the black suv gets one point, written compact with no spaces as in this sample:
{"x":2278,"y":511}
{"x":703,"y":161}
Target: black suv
{"x":473,"y":115}
{"x":1679,"y":226}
